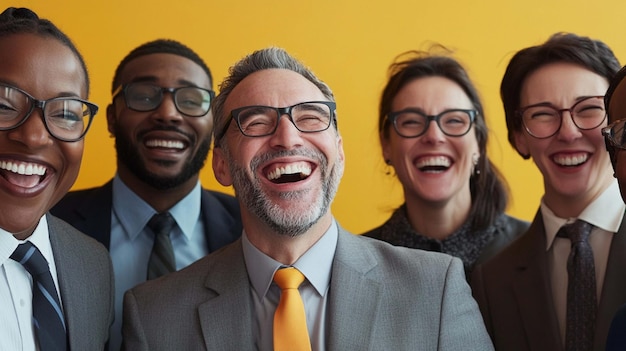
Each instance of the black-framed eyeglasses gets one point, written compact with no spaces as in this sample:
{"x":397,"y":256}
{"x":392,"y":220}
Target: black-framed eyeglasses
{"x":411,"y":123}
{"x":143,"y":97}
{"x":65,"y":118}
{"x":307,"y":117}
{"x":544,"y":120}
{"x":615,"y":135}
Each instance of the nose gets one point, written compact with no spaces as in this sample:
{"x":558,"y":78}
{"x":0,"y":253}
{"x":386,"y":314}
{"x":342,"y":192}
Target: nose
{"x":33,"y":132}
{"x":167,"y":112}
{"x":568,"y":130}
{"x":433,"y":133}
{"x":287,"y":136}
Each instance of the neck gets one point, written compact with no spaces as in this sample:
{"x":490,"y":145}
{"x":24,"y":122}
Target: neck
{"x":437,"y":220}
{"x":284,"y":249}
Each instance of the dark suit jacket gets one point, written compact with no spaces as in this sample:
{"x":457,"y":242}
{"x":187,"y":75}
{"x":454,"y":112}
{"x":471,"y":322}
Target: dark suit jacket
{"x":85,"y":276}
{"x":381,"y":297}
{"x":515,"y":296}
{"x":89,"y":211}
{"x":616,"y":341}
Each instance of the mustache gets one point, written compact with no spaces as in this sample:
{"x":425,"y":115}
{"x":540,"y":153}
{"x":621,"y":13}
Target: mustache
{"x":175,"y":129}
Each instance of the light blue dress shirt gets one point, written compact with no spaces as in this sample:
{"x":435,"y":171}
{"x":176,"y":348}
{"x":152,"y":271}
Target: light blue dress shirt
{"x":315,"y":265}
{"x":131,"y":241}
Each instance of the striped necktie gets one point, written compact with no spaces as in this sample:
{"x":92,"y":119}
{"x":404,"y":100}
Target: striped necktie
{"x":47,"y":315}
{"x":162,"y":260}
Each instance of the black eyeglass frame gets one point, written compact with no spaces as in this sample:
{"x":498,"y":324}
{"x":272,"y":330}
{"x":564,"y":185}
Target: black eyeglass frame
{"x":122,"y":89}
{"x":520,"y":112}
{"x":41,"y":104}
{"x":281,"y":111}
{"x":393,"y":116}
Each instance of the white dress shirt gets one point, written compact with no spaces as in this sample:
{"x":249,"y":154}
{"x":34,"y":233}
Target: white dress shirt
{"x":16,"y":294}
{"x":605,"y":213}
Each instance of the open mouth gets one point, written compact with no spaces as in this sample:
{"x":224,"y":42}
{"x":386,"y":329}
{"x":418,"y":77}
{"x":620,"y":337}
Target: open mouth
{"x":289,"y":173}
{"x":570,"y":160}
{"x":435,"y":164}
{"x":22,"y":174}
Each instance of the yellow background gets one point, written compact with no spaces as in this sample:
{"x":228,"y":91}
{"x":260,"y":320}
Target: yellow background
{"x":349,"y":44}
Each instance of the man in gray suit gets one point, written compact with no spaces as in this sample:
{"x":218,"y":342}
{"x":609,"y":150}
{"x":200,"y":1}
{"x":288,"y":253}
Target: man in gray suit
{"x":56,"y":284}
{"x":358,"y":293}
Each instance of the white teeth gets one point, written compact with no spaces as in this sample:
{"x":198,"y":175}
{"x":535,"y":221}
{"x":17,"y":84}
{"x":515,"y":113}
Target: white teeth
{"x":23,"y":168}
{"x":169,"y":144}
{"x":300,"y":168}
{"x":440,"y":161}
{"x":571,"y":160}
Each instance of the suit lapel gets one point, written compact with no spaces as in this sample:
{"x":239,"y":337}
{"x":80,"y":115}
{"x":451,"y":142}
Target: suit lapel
{"x":230,"y":304}
{"x":354,"y":296}
{"x":533,"y":291}
{"x":614,"y":289}
{"x":96,"y":214}
{"x":220,"y":227}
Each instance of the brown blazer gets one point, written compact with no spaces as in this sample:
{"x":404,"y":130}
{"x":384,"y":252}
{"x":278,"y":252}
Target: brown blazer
{"x":514,"y":293}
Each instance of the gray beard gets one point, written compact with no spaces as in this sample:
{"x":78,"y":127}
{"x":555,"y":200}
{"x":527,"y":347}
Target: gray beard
{"x":286,"y":222}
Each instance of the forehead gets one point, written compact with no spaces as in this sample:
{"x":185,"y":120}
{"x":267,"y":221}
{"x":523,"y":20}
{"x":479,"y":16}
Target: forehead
{"x":166,"y":69}
{"x":617,"y":105}
{"x":435,"y":91}
{"x":42,"y":66}
{"x":560,"y":81}
{"x":273,"y":87}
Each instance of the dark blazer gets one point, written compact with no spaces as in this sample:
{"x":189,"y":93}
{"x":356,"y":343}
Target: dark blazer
{"x":85,"y":277}
{"x":515,"y":296}
{"x":616,"y":341}
{"x":381,"y":297}
{"x":89,"y":211}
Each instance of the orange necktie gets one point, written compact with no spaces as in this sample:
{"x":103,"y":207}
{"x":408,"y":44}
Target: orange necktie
{"x":290,"y":331}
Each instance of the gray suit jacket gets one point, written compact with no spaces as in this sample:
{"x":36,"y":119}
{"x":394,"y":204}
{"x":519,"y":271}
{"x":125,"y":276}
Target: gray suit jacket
{"x":85,"y":276}
{"x":381,"y":297}
{"x":515,"y":296}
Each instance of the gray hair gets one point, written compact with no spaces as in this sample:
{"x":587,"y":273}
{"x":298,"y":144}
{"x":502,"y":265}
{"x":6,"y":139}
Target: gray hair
{"x":268,"y":58}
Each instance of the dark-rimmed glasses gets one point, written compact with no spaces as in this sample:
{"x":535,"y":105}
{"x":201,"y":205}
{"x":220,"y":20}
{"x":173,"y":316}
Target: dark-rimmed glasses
{"x":65,"y":118}
{"x":411,"y":123}
{"x":614,"y":134}
{"x":143,"y":97}
{"x":258,"y":121}
{"x":544,"y":120}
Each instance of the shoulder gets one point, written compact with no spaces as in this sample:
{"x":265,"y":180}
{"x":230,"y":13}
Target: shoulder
{"x":79,"y":198}
{"x":72,"y":237}
{"x":225,"y":201}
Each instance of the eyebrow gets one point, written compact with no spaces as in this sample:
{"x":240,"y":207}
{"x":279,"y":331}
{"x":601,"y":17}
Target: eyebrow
{"x":155,"y":79}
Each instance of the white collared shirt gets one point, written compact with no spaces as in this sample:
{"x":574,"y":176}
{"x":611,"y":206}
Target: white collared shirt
{"x":605,"y":213}
{"x":16,"y":318}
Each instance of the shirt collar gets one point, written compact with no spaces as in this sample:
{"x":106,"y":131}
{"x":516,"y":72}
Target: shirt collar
{"x":315,"y":264}
{"x":40,"y":238}
{"x":134,"y":213}
{"x":605,"y":212}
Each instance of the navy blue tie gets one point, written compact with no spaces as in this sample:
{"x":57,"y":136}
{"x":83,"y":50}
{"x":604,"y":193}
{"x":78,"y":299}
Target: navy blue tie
{"x":48,"y":318}
{"x":581,"y":288}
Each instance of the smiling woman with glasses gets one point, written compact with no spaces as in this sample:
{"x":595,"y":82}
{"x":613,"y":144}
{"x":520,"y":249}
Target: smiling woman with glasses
{"x":433,"y":135}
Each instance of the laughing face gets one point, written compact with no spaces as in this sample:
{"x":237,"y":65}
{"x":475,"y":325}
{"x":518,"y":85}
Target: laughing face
{"x":161,"y":148}
{"x":287,"y":180}
{"x":433,"y":168}
{"x":36,"y":169}
{"x":574,"y":163}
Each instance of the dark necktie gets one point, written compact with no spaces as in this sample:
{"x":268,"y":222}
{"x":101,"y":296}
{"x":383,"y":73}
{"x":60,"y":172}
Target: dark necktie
{"x":162,"y":259}
{"x":581,"y":288}
{"x":47,"y":315}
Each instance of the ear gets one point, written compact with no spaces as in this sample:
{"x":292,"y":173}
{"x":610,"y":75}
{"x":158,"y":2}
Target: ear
{"x":340,"y":152}
{"x":220,"y":167}
{"x":111,"y":119}
{"x":521,"y":144}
